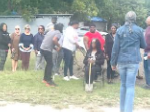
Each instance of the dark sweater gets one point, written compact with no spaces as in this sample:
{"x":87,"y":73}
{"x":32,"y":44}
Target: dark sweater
{"x":109,"y":41}
{"x":4,"y":40}
{"x":99,"y":58}
{"x":26,"y":40}
{"x":38,"y":39}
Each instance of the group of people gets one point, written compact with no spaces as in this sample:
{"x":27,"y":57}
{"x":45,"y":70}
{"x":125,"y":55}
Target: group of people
{"x":52,"y":45}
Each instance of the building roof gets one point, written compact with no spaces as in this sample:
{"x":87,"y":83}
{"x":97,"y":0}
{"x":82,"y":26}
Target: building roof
{"x":36,"y":16}
{"x":98,"y":19}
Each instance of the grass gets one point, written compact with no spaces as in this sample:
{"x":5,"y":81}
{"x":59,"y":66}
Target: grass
{"x":27,"y":87}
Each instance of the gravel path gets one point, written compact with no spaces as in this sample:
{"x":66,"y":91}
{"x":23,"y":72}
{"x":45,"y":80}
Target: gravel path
{"x":24,"y":107}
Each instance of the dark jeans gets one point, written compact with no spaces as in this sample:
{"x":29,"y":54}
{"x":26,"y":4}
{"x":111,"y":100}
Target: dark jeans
{"x":147,"y":70}
{"x":49,"y":64}
{"x":3,"y":56}
{"x":110,"y":72}
{"x":95,"y":71}
{"x":68,"y":59}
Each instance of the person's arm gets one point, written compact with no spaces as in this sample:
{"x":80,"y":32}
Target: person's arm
{"x":102,"y":40}
{"x":9,"y":41}
{"x":21,"y":43}
{"x":100,"y":59}
{"x":115,"y":52}
{"x":143,"y":42}
{"x":86,"y":42}
{"x":106,"y":45}
{"x":36,"y":44}
{"x":85,"y":61}
{"x":55,"y":40}
{"x":12,"y":39}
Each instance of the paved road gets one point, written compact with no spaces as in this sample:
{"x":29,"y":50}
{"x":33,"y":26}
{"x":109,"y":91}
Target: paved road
{"x":23,"y":107}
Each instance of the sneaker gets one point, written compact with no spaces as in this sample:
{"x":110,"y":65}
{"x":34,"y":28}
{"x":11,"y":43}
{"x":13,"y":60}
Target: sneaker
{"x":66,"y":78}
{"x":44,"y":81}
{"x":56,"y":74}
{"x":51,"y":83}
{"x":74,"y":77}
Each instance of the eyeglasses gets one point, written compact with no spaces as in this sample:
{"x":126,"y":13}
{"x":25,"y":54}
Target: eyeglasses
{"x":17,"y":29}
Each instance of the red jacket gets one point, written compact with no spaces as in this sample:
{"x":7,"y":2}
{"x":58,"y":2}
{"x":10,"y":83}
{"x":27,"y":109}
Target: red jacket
{"x":95,"y":35}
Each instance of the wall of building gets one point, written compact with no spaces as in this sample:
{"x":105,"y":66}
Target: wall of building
{"x":12,"y":22}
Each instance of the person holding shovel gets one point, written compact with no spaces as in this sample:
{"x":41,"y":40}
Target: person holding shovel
{"x":93,"y":61}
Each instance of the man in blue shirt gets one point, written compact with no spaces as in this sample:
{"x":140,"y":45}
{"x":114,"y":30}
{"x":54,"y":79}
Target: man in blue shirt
{"x":38,"y":39}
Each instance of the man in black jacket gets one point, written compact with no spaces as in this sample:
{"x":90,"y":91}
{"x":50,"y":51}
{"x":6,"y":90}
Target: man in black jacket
{"x":4,"y":45}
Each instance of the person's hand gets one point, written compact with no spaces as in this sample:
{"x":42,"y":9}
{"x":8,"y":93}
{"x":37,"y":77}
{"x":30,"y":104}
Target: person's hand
{"x":113,"y":68}
{"x":58,"y":49}
{"x":148,"y":55}
{"x":36,"y":52}
{"x":107,"y":58}
{"x":91,"y":61}
{"x":13,"y":49}
{"x":27,"y":48}
{"x":9,"y":45}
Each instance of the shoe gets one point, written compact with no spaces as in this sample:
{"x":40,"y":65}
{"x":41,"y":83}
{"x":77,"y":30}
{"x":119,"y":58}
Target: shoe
{"x":66,"y":78}
{"x":44,"y":81}
{"x":74,"y":77}
{"x":51,"y":83}
{"x":56,"y":74}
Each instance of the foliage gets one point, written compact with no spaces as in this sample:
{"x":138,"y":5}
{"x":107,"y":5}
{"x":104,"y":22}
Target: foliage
{"x":111,"y":10}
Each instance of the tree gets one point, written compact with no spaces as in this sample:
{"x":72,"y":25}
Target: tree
{"x":115,"y":10}
{"x":111,"y":10}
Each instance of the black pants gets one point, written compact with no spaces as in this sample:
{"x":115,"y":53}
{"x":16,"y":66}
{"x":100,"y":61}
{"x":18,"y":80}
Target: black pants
{"x":3,"y":56}
{"x":95,"y":71}
{"x":110,"y":72}
{"x":49,"y":64}
{"x":68,"y":59}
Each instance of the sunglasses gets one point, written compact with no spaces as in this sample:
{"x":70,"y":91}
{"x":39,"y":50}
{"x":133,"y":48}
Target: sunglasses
{"x":17,"y":29}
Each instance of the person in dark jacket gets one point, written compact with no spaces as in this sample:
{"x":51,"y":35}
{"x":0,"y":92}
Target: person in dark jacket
{"x":109,"y":41}
{"x":4,"y":45}
{"x":26,"y":46}
{"x":38,"y":39}
{"x":94,"y":56}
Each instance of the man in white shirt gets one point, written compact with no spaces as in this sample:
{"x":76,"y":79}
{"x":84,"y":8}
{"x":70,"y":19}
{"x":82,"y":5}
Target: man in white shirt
{"x":69,"y":46}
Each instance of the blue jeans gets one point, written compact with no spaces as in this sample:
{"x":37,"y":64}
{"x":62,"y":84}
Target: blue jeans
{"x":128,"y":74}
{"x":147,"y":70}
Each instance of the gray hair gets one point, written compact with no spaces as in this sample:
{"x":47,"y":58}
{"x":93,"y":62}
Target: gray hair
{"x":130,"y":18}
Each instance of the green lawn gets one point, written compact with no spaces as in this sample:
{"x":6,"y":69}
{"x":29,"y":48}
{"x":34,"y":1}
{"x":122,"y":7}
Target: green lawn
{"x":28,"y":87}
